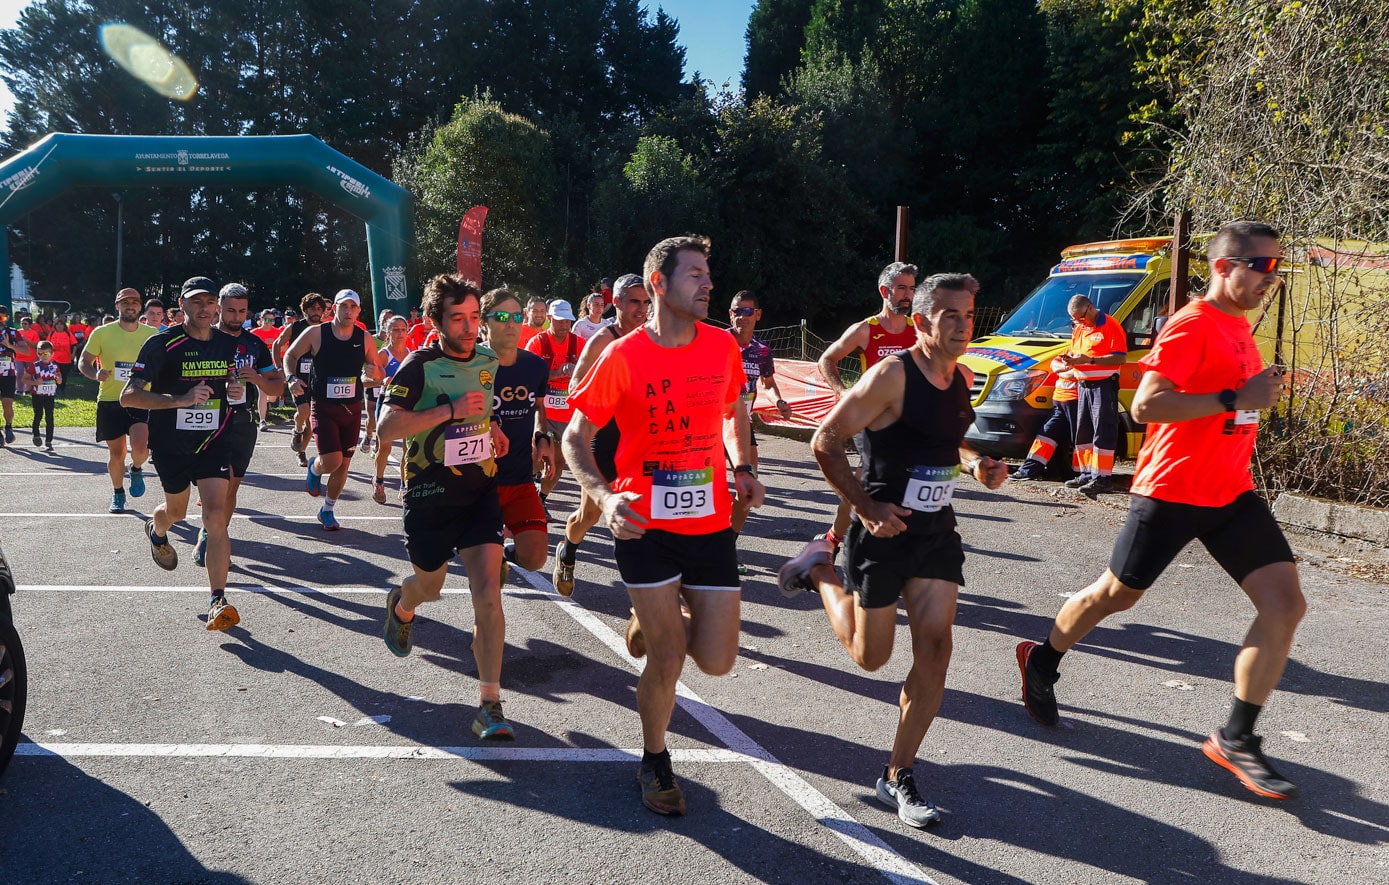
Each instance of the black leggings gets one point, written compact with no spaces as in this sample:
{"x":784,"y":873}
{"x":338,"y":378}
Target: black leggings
{"x":43,"y":408}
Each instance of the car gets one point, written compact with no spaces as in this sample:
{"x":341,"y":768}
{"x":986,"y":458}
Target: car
{"x":14,"y":678}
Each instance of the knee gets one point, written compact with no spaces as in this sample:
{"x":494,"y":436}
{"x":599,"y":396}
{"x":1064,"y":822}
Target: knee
{"x":871,"y":659}
{"x":531,"y":560}
{"x":1286,"y":609}
{"x":718,"y":663}
{"x":933,"y":651}
{"x":1112,"y":595}
{"x":665,"y":663}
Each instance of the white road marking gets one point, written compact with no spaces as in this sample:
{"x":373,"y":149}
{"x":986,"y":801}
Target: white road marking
{"x":255,"y":517}
{"x":409,"y":751}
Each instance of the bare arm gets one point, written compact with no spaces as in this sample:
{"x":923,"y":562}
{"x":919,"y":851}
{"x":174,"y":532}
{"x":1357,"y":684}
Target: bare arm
{"x":307,"y":343}
{"x":593,"y":349}
{"x":137,"y":395}
{"x":87,"y":365}
{"x":1158,"y":400}
{"x":876,"y":399}
{"x":854,"y":338}
{"x":621,"y":519}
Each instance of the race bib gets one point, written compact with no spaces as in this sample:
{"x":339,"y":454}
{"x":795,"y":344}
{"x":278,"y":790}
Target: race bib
{"x":208,"y":416}
{"x":1247,"y":416}
{"x":47,"y":388}
{"x":465,"y":444}
{"x":306,"y":366}
{"x":342,"y":388}
{"x":122,"y":371}
{"x":931,"y":488}
{"x":557,"y":400}
{"x":682,"y":494}
{"x":6,"y":366}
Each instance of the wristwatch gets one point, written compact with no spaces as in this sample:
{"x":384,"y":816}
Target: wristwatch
{"x":746,"y":468}
{"x":540,"y":434}
{"x":1227,"y":399}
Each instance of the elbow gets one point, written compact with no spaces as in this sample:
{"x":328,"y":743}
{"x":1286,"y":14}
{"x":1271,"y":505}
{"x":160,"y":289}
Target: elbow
{"x":1141,"y":411}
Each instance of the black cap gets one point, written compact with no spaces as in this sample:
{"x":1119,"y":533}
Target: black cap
{"x":195,"y":285}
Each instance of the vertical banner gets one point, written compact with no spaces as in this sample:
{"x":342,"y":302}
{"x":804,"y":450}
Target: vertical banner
{"x":470,"y":244}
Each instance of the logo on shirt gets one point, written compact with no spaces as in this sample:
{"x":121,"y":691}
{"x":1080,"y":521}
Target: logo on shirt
{"x":485,"y":377}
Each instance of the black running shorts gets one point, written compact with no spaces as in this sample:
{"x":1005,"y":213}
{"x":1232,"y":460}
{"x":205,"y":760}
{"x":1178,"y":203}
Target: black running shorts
{"x":241,"y":436}
{"x":1242,"y":536}
{"x":437,"y":524}
{"x":114,"y":420}
{"x":178,"y":470}
{"x":7,"y":386}
{"x":699,"y":562}
{"x":878,"y":568}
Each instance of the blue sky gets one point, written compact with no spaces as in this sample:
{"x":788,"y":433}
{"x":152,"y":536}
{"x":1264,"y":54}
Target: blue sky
{"x":712,"y":32}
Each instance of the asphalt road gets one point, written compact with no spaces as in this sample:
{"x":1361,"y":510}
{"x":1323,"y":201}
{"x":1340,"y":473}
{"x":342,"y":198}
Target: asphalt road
{"x":295,"y":748}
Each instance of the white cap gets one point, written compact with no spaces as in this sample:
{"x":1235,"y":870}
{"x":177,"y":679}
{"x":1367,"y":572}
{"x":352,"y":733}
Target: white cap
{"x":347,"y":295}
{"x":560,"y":310}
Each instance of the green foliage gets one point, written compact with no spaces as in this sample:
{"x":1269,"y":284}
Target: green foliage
{"x":775,"y":36}
{"x":485,"y":156}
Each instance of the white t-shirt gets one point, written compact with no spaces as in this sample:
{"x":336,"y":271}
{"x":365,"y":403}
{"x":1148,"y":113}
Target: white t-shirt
{"x":585,"y":329}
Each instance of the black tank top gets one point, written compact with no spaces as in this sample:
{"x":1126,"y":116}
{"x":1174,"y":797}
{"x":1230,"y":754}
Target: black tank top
{"x":927,"y":435}
{"x":337,"y":363}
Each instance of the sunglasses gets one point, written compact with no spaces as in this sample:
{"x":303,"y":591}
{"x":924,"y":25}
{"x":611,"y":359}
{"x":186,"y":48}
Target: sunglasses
{"x":1264,"y":264}
{"x":742,"y":311}
{"x":507,"y":316}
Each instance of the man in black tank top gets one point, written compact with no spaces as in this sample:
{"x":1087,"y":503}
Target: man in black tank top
{"x":633,"y":304}
{"x":913,"y":409}
{"x":340,"y":351}
{"x":313,"y":305}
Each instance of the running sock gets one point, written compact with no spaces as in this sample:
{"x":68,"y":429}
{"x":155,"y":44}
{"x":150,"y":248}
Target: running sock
{"x":404,"y":616}
{"x":329,"y":502}
{"x":650,"y":758}
{"x":509,"y":553}
{"x":120,"y":490}
{"x":490,"y":691}
{"x":216,"y":595}
{"x":159,"y":540}
{"x":567,"y":551}
{"x":1242,"y":716}
{"x":380,"y":480}
{"x":1048,"y":659}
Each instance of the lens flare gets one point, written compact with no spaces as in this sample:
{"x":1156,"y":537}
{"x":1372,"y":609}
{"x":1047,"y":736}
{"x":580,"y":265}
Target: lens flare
{"x":148,"y":61}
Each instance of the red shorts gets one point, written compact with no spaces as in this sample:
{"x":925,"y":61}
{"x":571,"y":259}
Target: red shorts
{"x":522,"y":510}
{"x":336,"y":425}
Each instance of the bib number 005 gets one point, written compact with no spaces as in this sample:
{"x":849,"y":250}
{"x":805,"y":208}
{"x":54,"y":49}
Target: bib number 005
{"x":931,"y":488}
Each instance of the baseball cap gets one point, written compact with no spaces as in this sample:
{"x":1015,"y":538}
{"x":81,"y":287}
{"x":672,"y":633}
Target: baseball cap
{"x":197,"y":286}
{"x":347,"y":295}
{"x":128,"y":293}
{"x":560,"y":310}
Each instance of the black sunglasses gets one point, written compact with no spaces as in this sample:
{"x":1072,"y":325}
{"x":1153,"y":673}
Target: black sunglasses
{"x":742,"y":311}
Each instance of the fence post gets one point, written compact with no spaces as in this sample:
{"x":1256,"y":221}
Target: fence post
{"x":802,"y":340}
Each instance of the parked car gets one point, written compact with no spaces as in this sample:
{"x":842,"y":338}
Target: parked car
{"x":14,"y":678}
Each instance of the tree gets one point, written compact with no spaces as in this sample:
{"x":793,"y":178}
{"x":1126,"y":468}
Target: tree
{"x":775,"y":38}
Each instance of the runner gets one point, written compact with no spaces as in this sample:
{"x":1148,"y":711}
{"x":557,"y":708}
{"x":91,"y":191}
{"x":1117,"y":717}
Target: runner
{"x":340,"y":351}
{"x":111,"y":352}
{"x":537,"y":319}
{"x":259,"y":377}
{"x":32,"y":334}
{"x":560,"y":348}
{"x":45,"y":380}
{"x":518,"y":404}
{"x":64,"y":345}
{"x":673,"y":387}
{"x":588,"y":325}
{"x":267,"y":332}
{"x":1200,"y":396}
{"x":12,"y":346}
{"x":875,"y":339}
{"x":153,"y":315}
{"x":913,"y":410}
{"x":184,"y":378}
{"x":389,"y":358}
{"x":313,"y":306}
{"x":633,"y":305}
{"x":440,"y":402}
{"x":758,"y":364}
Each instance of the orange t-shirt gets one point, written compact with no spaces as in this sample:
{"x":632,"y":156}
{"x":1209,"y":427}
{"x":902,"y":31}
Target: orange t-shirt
{"x":669,"y":403}
{"x":1204,"y":461}
{"x":1104,"y":338}
{"x":557,"y":406}
{"x":528,"y":332}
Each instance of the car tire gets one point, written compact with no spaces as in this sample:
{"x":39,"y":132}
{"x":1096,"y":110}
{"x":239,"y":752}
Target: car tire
{"x":14,"y":682}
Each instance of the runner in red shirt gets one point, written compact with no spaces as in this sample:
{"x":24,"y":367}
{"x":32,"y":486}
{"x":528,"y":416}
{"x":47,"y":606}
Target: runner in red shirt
{"x":537,"y":319}
{"x":560,"y":348}
{"x":673,"y":387}
{"x":875,"y":339}
{"x":1201,"y":399}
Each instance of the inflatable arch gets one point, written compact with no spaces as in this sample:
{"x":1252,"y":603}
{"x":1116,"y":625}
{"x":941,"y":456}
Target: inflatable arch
{"x":60,"y":162}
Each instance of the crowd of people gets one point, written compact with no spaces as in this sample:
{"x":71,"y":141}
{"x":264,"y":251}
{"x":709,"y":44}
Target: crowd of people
{"x":486,"y":398}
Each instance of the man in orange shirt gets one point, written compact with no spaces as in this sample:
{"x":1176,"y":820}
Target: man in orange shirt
{"x":1098,"y":348}
{"x":537,"y":319}
{"x":1058,"y":434}
{"x":1200,"y":397}
{"x":560,"y":348}
{"x":674,"y":387}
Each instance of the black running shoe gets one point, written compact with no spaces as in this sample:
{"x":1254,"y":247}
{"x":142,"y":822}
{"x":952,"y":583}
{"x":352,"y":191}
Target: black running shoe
{"x":1245,"y":759}
{"x":1037,"y":692}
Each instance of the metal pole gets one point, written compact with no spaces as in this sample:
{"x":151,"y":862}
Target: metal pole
{"x":903,"y":216}
{"x":120,"y":231}
{"x":803,"y":331}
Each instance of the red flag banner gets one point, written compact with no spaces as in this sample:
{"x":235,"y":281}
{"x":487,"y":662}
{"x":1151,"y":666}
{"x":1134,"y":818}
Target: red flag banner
{"x":470,"y":244}
{"x":803,"y":388}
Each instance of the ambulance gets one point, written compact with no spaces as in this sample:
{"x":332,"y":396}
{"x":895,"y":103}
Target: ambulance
{"x":1013,"y":383}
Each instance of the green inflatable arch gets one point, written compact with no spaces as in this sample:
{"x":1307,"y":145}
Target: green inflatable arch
{"x":61,"y":162}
